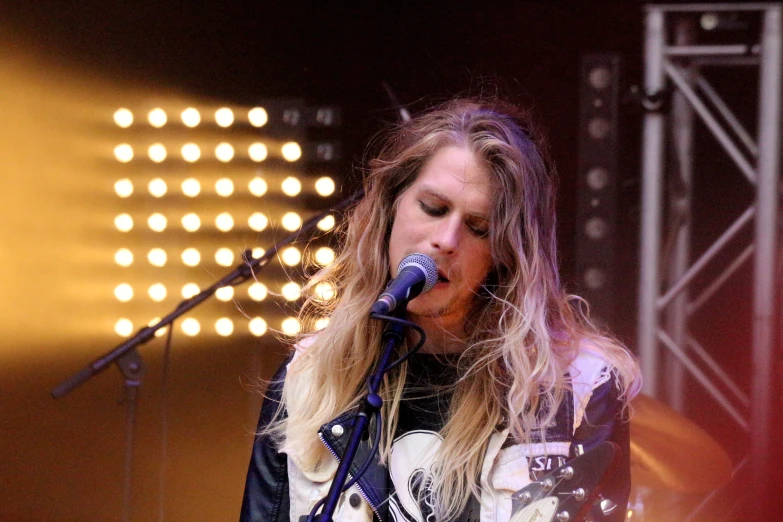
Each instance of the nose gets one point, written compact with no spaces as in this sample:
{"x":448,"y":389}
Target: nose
{"x":445,"y":237}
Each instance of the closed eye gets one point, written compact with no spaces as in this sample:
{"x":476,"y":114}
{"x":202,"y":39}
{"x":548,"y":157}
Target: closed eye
{"x":479,"y":231}
{"x":432,"y":211}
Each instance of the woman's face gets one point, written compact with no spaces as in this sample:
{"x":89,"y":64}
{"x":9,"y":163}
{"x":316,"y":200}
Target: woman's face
{"x":445,"y":215}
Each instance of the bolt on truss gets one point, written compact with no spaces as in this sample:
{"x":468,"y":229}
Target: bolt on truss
{"x":673,"y":65}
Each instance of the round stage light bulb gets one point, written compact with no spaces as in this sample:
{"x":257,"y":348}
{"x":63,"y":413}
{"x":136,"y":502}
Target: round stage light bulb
{"x":257,"y":186}
{"x":257,"y":221}
{"x":224,"y":152}
{"x":157,"y":222}
{"x":157,"y":152}
{"x":324,"y":291}
{"x":191,"y":152}
{"x":326,"y":223}
{"x":257,"y":152}
{"x":709,"y":21}
{"x":596,"y":228}
{"x":157,"y":117}
{"x":595,"y":278}
{"x":191,"y":187}
{"x":123,"y":327}
{"x":291,"y":256}
{"x":224,"y":222}
{"x":224,"y":326}
{"x":157,"y":187}
{"x":191,"y":257}
{"x":224,"y":257}
{"x":225,"y":293}
{"x":123,"y":187}
{"x":157,"y":257}
{"x":598,"y":128}
{"x":258,"y":252}
{"x":291,"y":221}
{"x":191,"y":117}
{"x":257,"y":291}
{"x":291,"y":291}
{"x":189,"y":290}
{"x":257,"y":326}
{"x":321,"y":323}
{"x":224,"y":187}
{"x":123,"y":257}
{"x":123,"y":292}
{"x":160,"y":332}
{"x":291,"y":151}
{"x":123,"y":152}
{"x":224,"y":117}
{"x":599,"y":78}
{"x":325,"y":186}
{"x":123,"y":222}
{"x":324,"y":256}
{"x":191,"y":327}
{"x":123,"y":118}
{"x":291,"y":326}
{"x":157,"y":292}
{"x":191,"y":222}
{"x":597,"y":178}
{"x":257,"y":116}
{"x":291,"y":186}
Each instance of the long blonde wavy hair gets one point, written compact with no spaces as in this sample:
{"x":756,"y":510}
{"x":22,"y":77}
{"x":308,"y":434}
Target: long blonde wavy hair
{"x":524,"y":329}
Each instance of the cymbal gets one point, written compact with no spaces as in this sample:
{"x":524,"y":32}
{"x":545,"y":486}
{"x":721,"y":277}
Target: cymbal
{"x":670,"y":452}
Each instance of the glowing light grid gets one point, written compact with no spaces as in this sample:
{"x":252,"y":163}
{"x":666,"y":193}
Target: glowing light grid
{"x":167,"y":221}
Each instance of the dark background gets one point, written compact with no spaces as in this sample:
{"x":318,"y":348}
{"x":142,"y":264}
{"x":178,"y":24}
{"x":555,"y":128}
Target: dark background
{"x":242,"y":52}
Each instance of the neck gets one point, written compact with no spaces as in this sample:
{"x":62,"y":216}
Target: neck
{"x":443,"y":335}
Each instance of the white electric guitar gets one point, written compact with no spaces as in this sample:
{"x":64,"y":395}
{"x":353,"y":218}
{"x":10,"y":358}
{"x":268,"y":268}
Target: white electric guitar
{"x":568,"y":493}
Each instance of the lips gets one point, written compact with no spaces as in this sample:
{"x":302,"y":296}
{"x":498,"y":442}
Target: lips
{"x":442,"y":277}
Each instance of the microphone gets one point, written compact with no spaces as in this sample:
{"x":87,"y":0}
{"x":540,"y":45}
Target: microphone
{"x":416,"y":274}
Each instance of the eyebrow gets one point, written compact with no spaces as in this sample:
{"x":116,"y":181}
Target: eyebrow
{"x":430,"y":191}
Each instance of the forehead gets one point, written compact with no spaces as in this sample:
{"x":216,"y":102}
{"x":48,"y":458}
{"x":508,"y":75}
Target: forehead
{"x":455,"y":173}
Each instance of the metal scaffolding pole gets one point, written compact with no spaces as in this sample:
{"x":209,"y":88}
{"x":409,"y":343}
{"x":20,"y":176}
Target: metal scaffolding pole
{"x":679,"y":200}
{"x":767,"y":196}
{"x":652,"y":174}
{"x":665,"y":305}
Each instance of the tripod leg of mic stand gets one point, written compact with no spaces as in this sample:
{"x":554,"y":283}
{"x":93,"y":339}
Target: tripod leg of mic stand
{"x":132,"y":369}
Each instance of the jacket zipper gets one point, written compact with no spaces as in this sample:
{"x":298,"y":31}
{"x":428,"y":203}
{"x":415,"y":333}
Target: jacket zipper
{"x":358,"y":486}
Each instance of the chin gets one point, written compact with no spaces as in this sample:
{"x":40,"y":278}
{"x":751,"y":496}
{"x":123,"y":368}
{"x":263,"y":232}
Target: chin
{"x":429,"y":308}
{"x":425,"y":309}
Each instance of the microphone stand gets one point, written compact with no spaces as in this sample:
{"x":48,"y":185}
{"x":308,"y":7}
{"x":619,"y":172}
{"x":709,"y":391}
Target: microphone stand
{"x":391,"y":339}
{"x":128,"y":359}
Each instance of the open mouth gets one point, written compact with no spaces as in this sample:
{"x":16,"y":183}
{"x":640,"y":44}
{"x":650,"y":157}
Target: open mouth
{"x":442,"y":278}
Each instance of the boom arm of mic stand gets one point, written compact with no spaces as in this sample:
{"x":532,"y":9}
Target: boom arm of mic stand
{"x":247,"y":269}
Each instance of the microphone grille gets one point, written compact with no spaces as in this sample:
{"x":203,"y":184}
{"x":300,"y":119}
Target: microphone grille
{"x":426,"y":264}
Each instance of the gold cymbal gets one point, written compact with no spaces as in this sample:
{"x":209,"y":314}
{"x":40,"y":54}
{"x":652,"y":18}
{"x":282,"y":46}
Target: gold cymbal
{"x":670,"y":452}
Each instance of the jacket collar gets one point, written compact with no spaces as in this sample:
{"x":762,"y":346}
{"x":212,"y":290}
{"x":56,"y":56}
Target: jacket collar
{"x":374,"y":484}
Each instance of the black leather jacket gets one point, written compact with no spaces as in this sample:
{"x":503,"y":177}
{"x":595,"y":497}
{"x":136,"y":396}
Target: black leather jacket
{"x":266,"y":496}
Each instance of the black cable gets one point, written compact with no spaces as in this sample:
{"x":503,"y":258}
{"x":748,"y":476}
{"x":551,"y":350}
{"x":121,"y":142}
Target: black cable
{"x":419,"y":330}
{"x":164,"y":424}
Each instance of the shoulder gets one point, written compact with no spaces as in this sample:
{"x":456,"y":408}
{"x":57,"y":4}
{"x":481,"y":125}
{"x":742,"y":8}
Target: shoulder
{"x":590,"y":366}
{"x":299,"y":379}
{"x":303,"y":345}
{"x":299,"y":350}
{"x":589,"y":370}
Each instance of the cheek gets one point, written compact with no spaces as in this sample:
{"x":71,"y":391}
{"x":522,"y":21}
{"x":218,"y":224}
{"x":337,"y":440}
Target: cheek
{"x":478,"y":263}
{"x":401,"y":232}
{"x":397,"y":245}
